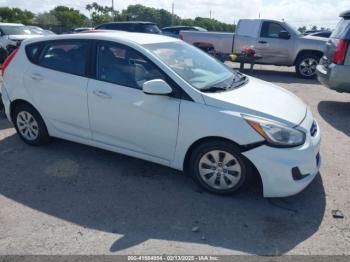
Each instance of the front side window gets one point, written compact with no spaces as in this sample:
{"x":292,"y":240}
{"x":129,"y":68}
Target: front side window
{"x":69,"y":57}
{"x":193,"y":65}
{"x":124,"y":66}
{"x":271,"y":30}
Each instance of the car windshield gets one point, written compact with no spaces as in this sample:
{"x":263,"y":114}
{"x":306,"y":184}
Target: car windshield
{"x":153,"y":29}
{"x":194,"y":66}
{"x":16,"y":30}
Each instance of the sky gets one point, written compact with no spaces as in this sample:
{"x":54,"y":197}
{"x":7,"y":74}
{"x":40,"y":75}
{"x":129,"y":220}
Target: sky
{"x":297,"y":12}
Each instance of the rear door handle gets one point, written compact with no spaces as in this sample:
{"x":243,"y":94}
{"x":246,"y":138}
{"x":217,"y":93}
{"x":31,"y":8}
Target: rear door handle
{"x":102,"y":94}
{"x":262,"y":42}
{"x":36,"y":76}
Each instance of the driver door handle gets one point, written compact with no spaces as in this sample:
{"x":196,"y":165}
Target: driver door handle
{"x":102,"y":94}
{"x":36,"y":76}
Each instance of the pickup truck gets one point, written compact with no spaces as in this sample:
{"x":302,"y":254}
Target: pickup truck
{"x":275,"y":43}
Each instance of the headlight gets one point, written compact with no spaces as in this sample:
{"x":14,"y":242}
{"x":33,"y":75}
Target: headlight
{"x":276,"y":134}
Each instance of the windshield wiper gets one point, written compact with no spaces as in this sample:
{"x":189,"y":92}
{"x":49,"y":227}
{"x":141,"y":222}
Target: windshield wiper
{"x":213,"y":89}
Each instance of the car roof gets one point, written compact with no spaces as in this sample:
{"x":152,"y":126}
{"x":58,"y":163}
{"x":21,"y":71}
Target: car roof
{"x":130,"y":22}
{"x":10,"y":24}
{"x":178,"y":26}
{"x":123,"y":36}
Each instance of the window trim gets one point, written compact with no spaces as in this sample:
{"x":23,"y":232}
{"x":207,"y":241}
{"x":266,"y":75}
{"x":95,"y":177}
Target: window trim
{"x":178,"y":92}
{"x":43,"y":44}
{"x":272,"y":22}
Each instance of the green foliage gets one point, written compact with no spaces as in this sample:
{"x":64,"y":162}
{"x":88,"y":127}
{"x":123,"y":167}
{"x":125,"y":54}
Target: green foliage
{"x":302,"y":29}
{"x":68,"y":17}
{"x":101,"y":14}
{"x":46,"y":19}
{"x":15,"y":15}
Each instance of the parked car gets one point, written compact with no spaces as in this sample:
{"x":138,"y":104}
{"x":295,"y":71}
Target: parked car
{"x":275,"y":42}
{"x":160,"y":99}
{"x":132,"y":26}
{"x":40,"y":31}
{"x":334,"y":68}
{"x":11,"y":35}
{"x":174,"y":31}
{"x":325,"y":34}
{"x":77,"y":30}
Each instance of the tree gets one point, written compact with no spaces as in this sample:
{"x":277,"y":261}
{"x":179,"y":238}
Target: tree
{"x":46,"y":19}
{"x":16,"y":15}
{"x":68,"y":17}
{"x":314,"y":28}
{"x":101,"y":14}
{"x":302,"y":29}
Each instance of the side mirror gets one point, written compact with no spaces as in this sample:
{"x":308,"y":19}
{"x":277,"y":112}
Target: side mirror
{"x":284,"y":35}
{"x":156,"y":87}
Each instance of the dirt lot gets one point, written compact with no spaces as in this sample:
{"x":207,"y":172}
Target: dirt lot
{"x":67,"y":198}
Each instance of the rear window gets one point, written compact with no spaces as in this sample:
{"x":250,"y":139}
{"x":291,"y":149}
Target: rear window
{"x":69,"y":57}
{"x":342,"y":29}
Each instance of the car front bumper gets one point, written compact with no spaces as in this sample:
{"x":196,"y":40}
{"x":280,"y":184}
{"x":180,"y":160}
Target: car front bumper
{"x":277,"y":166}
{"x":336,"y":77}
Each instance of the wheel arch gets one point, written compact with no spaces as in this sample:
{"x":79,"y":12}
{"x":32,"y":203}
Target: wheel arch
{"x":307,"y":51}
{"x":16,"y":103}
{"x":202,"y":140}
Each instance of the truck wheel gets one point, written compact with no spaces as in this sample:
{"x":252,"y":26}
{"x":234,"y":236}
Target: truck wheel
{"x":305,"y":65}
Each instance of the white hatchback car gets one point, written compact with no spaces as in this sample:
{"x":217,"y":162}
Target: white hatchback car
{"x":157,"y":98}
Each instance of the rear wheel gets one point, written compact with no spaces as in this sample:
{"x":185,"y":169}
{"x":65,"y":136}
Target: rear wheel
{"x":305,"y":65}
{"x":30,"y":125}
{"x":219,"y":167}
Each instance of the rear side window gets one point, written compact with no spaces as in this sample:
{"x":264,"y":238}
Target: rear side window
{"x":342,"y":30}
{"x":32,"y":50}
{"x":69,"y":57}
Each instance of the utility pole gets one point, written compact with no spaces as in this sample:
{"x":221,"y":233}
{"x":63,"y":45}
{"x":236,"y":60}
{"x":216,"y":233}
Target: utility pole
{"x":172,"y":14}
{"x":210,"y":14}
{"x":113,"y":16}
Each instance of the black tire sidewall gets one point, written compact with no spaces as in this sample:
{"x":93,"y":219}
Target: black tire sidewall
{"x":300,"y":59}
{"x":224,"y":146}
{"x":43,"y":136}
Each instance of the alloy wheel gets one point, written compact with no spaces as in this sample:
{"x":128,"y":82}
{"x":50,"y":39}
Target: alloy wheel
{"x":307,"y":67}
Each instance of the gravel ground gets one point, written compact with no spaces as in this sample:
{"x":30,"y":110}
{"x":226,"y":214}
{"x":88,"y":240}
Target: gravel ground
{"x":67,"y":198}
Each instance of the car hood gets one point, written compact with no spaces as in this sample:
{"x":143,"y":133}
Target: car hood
{"x":262,"y":99}
{"x":21,"y":37}
{"x":315,"y":38}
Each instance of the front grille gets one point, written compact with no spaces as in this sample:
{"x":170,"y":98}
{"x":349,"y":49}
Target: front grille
{"x":313,"y":129}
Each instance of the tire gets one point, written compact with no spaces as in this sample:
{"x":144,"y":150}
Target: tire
{"x":305,"y":65}
{"x":2,"y":108}
{"x":217,"y":174}
{"x":30,"y":126}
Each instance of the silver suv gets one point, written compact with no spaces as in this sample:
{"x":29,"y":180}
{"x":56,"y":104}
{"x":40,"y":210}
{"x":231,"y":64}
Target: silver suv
{"x":334,"y":68}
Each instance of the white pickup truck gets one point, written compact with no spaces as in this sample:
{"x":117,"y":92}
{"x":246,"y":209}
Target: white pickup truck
{"x":275,"y":43}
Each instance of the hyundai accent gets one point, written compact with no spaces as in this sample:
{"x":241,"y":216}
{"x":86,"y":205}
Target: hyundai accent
{"x":159,"y":99}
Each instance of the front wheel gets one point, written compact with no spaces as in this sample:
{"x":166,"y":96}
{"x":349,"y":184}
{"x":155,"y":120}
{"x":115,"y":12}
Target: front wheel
{"x":305,"y":65}
{"x":219,"y":167}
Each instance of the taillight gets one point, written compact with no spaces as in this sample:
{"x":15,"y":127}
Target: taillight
{"x":8,"y":61}
{"x":340,"y":52}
